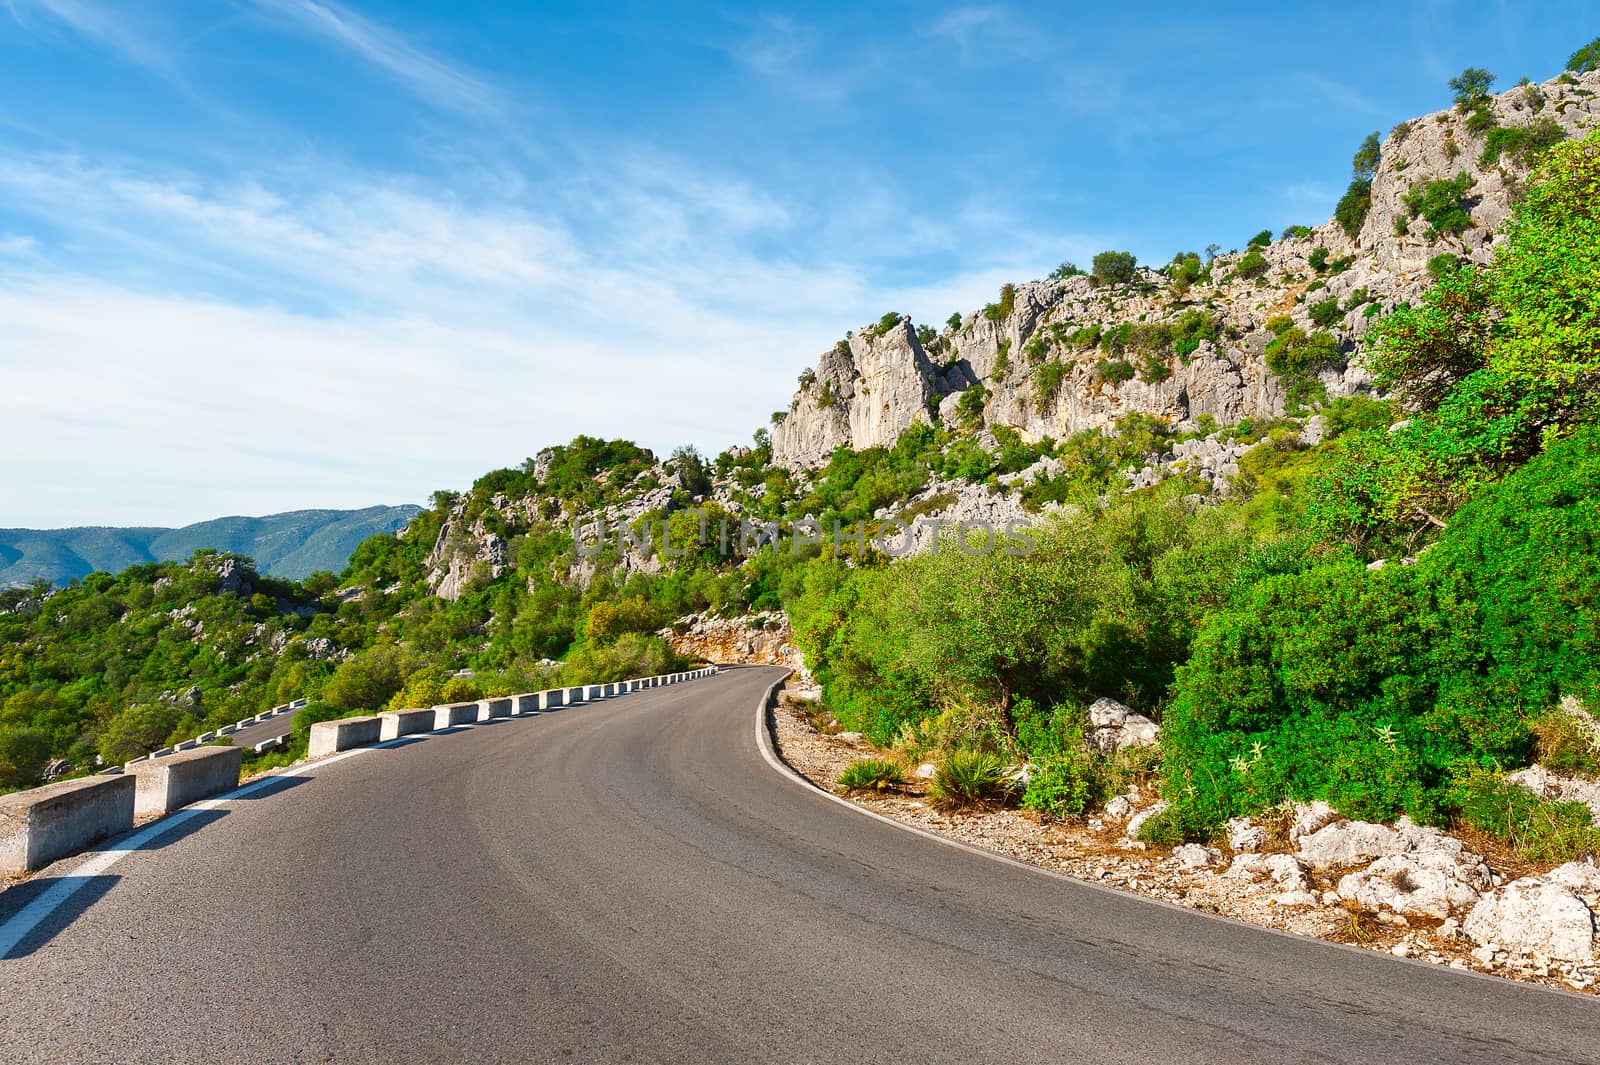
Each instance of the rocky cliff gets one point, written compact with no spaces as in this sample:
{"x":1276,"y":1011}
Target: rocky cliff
{"x":1040,"y":359}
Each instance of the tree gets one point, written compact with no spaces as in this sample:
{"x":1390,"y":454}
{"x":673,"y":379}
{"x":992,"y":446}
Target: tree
{"x":1115,"y":267}
{"x":23,"y":753}
{"x":1261,"y":239}
{"x":138,"y":730}
{"x":1364,"y":166}
{"x":1471,"y":87}
{"x":1212,"y":250}
{"x":1586,"y":58}
{"x":1065,"y":270}
{"x":1351,"y":212}
{"x":954,"y":321}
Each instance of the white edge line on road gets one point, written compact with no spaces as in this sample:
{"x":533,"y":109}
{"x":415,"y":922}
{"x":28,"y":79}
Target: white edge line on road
{"x":765,"y":743}
{"x":25,"y":920}
{"x":68,"y":884}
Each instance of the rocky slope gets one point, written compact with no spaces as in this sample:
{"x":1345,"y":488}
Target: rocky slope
{"x":1039,"y":381}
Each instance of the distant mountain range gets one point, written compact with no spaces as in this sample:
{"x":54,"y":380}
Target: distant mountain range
{"x":290,"y":545}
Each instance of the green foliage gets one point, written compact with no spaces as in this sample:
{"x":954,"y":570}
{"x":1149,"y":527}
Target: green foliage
{"x":1325,"y":312}
{"x":954,"y":321}
{"x":1586,"y":58}
{"x":1471,"y":88}
{"x":1047,"y":378}
{"x":1261,"y":239}
{"x":1002,"y":358}
{"x":1525,"y":144}
{"x":1114,"y":267}
{"x":1293,"y":351}
{"x":1252,"y":265}
{"x":871,"y":774}
{"x":1065,"y":270}
{"x":969,"y":408}
{"x":1294,"y":232}
{"x":1442,"y":202}
{"x":1318,"y":259}
{"x":1006,"y":304}
{"x":886,"y":323}
{"x":971,"y":778}
{"x":23,"y":754}
{"x":1539,"y":830}
{"x":1351,"y":211}
{"x":1116,"y":371}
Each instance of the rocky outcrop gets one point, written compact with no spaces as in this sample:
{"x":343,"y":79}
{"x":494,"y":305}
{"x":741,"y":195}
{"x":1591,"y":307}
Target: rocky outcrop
{"x":752,"y":639}
{"x":1552,"y":915}
{"x":1113,"y":727}
{"x":1040,"y":381}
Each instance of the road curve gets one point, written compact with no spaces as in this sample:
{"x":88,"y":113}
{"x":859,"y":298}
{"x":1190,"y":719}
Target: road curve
{"x":632,"y":882}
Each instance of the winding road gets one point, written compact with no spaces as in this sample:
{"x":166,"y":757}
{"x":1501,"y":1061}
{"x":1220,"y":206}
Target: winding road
{"x":633,"y":881}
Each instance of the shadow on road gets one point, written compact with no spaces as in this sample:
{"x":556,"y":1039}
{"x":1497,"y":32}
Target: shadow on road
{"x":77,"y":894}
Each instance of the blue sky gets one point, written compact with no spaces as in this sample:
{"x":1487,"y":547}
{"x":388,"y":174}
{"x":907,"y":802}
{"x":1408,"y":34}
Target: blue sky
{"x":258,"y":255}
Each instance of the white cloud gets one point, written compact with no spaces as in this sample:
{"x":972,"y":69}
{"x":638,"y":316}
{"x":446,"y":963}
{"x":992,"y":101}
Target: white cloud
{"x":431,"y":78}
{"x":16,"y":244}
{"x":987,"y":33}
{"x":101,"y":23}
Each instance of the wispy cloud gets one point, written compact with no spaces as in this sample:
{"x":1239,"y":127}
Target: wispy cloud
{"x":102,"y":23}
{"x":429,"y":77}
{"x":16,"y":244}
{"x":1340,"y":95}
{"x":784,"y":51}
{"x":1309,"y":194}
{"x":986,"y":33}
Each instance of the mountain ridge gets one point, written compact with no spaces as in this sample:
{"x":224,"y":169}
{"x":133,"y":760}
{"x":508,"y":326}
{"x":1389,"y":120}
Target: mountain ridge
{"x":290,"y":544}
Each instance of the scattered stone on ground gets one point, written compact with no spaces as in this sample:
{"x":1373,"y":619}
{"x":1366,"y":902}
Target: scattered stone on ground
{"x":1406,"y":890}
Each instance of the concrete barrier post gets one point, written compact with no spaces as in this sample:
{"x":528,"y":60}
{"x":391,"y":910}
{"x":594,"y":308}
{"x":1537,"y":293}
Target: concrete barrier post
{"x":328,"y":737}
{"x":170,"y":783}
{"x":592,"y":693}
{"x":43,"y":824}
{"x":553,"y":699}
{"x":525,"y":704}
{"x":489,"y":709}
{"x":454,"y":714}
{"x":574,"y":695}
{"x":397,"y":723}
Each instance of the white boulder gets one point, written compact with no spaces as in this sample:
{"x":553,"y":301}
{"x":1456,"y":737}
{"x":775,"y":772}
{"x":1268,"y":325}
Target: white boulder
{"x":1245,"y":836}
{"x":1535,"y":914}
{"x":1192,"y":856}
{"x":1113,"y":726}
{"x":1136,"y":822}
{"x":1349,"y":843}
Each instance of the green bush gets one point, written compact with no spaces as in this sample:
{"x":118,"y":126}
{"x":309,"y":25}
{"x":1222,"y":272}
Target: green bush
{"x":1261,"y":239}
{"x":1442,"y":202}
{"x":971,"y":778}
{"x":1318,"y":259}
{"x":1062,"y":786}
{"x":1047,"y":378}
{"x":1325,"y":312}
{"x":1539,"y":830}
{"x":1116,"y":371}
{"x":1065,"y":270}
{"x":1471,"y":88}
{"x":1586,"y":58}
{"x":1252,"y":265}
{"x":1525,"y":144}
{"x":871,"y":774}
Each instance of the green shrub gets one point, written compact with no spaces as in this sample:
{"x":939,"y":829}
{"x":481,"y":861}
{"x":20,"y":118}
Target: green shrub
{"x":1293,"y":351}
{"x":1061,"y":786}
{"x":1154,"y":369}
{"x":1065,"y":270}
{"x":1538,"y":829}
{"x":1116,"y":371}
{"x":969,"y":408}
{"x":1325,"y":312}
{"x":1441,"y":265}
{"x":1318,"y":259}
{"x":1047,"y":380}
{"x":1442,"y":202}
{"x":1114,"y":267}
{"x":954,"y":321}
{"x":871,"y":774}
{"x":1586,"y":58}
{"x":1296,"y":232}
{"x":1252,"y":265}
{"x":971,"y":778}
{"x":1261,"y":239}
{"x":886,"y":323}
{"x":1351,"y":211}
{"x":1565,"y":746}
{"x":1525,"y":144}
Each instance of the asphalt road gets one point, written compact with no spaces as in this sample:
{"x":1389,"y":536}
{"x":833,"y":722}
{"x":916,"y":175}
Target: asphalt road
{"x":632,"y":882}
{"x":270,"y":729}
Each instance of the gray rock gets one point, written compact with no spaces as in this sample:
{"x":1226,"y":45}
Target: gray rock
{"x":1414,"y":884}
{"x":1190,"y":856}
{"x":1553,"y":786}
{"x":1283,"y":871}
{"x":1136,"y":822}
{"x":848,"y":737}
{"x":1113,"y":727}
{"x":1119,"y":807}
{"x":1244,"y":835}
{"x":1308,"y":817}
{"x":1349,"y":843}
{"x":1535,"y":914}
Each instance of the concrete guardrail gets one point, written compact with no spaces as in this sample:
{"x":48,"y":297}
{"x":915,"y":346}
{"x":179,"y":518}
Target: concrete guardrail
{"x":453,"y":714}
{"x":488,"y":709}
{"x":165,"y":784}
{"x":329,"y":737}
{"x":397,"y":723}
{"x":43,"y":824}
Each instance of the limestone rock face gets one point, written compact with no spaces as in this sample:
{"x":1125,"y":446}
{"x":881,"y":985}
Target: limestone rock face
{"x":763,"y":639}
{"x":1036,"y":379}
{"x":1113,"y":726}
{"x":864,"y":393}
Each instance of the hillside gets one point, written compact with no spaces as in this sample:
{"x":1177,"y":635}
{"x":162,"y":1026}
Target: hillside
{"x":1317,"y":516}
{"x":291,"y":545}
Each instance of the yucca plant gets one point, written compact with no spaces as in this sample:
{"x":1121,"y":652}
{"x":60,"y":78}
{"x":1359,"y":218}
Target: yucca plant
{"x":871,"y":774}
{"x":971,"y":778}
